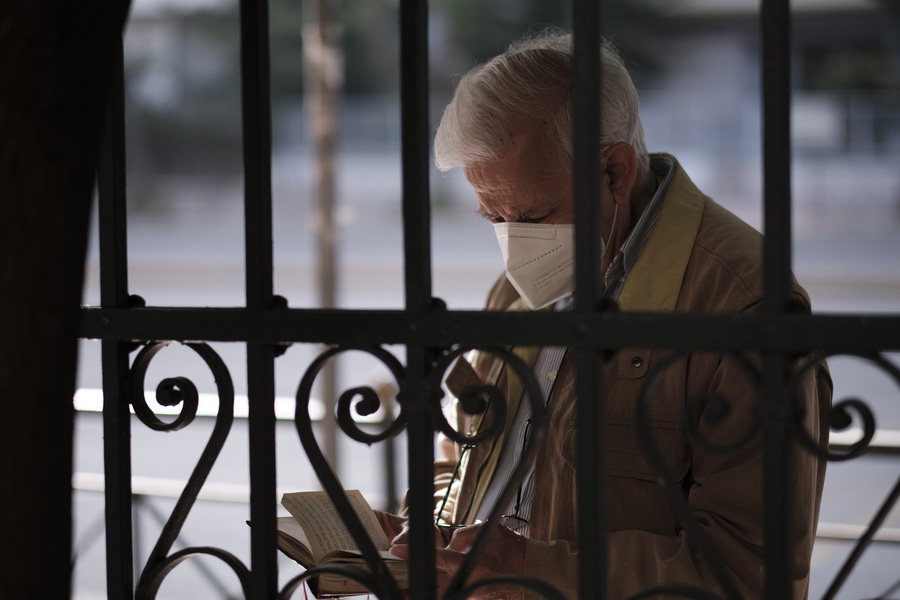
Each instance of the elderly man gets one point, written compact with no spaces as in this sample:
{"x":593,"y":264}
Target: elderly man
{"x":666,"y":247}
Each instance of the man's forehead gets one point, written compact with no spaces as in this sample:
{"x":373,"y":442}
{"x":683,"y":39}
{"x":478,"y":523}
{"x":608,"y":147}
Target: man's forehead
{"x":520,"y":140}
{"x":497,"y":179}
{"x":485,"y":176}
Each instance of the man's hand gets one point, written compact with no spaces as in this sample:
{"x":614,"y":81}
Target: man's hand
{"x":392,"y":525}
{"x":503,"y":555}
{"x":396,"y":529}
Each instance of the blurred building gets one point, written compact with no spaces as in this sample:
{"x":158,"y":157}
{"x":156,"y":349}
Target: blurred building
{"x":846,"y":107}
{"x":701,"y":101}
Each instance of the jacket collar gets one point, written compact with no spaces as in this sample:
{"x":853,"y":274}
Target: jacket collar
{"x":655,"y":279}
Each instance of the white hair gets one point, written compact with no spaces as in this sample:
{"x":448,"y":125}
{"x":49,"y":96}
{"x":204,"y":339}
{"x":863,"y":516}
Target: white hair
{"x":532,"y":80}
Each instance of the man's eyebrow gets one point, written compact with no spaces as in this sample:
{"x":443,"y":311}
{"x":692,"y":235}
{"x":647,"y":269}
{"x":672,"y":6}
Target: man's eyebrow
{"x":484,"y":214}
{"x":537,"y":213}
{"x":514,"y":218}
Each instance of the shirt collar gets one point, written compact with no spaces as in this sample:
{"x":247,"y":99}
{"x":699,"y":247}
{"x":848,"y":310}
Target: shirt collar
{"x":662,"y":167}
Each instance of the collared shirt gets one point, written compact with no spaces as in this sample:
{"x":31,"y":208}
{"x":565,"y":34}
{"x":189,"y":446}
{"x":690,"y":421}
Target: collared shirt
{"x":550,"y":358}
{"x":618,"y":270}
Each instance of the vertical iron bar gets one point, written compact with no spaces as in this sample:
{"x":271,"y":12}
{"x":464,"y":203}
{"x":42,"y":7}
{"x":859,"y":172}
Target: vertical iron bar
{"x":422,"y":576}
{"x":263,"y":542}
{"x":588,"y":289}
{"x":417,"y":271}
{"x":586,"y":108}
{"x":114,"y":355}
{"x":776,"y":80}
{"x":120,"y":566}
{"x":776,"y":46}
{"x":112,"y":197}
{"x":777,"y":478}
{"x":257,"y":144}
{"x":415,"y":153}
{"x":257,"y":151}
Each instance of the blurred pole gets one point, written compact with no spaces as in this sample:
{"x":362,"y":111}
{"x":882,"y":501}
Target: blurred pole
{"x":387,"y":393}
{"x":323,"y":68}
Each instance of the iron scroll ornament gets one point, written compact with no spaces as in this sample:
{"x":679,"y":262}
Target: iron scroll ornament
{"x":378,"y":579}
{"x":171,"y":392}
{"x":475,"y":400}
{"x":677,"y":500}
{"x":841,"y":417}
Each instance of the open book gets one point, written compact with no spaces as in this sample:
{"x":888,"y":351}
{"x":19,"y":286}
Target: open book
{"x":315,"y":535}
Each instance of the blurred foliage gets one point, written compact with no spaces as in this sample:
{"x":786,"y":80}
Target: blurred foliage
{"x":183,"y":95}
{"x":852,"y":68}
{"x":476,"y":30}
{"x":183,"y":67}
{"x":370,"y":39}
{"x":286,"y":47}
{"x":890,"y":7}
{"x":194,"y":124}
{"x":183,"y":70}
{"x":871,"y":63}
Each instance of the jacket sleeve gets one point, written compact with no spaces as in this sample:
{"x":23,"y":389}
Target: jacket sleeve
{"x":724,"y":492}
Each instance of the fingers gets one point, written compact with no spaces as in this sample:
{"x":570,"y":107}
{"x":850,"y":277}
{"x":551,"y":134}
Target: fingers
{"x":392,"y":525}
{"x":400,"y":551}
{"x":403,"y":537}
{"x":448,"y":560}
{"x":464,"y":538}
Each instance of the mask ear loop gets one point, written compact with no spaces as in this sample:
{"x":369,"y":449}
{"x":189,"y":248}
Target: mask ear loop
{"x":606,"y":242}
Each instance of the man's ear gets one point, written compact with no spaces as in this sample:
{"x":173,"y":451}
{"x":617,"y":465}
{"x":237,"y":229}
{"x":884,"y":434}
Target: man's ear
{"x":620,"y":172}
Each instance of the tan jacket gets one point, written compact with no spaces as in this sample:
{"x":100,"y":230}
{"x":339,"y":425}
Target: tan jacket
{"x":699,"y":258}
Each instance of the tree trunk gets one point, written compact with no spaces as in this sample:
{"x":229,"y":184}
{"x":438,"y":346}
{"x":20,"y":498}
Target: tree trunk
{"x":323,"y":65}
{"x":54,"y":76}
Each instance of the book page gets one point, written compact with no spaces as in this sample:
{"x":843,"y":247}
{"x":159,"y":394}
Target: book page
{"x":324,"y":528}
{"x":293,"y":541}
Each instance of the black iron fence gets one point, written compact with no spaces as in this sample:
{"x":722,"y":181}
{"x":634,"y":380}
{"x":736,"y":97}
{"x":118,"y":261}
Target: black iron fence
{"x":434,"y":336}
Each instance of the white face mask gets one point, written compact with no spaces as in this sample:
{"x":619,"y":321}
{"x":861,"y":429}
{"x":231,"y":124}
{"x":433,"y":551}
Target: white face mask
{"x":540,"y":259}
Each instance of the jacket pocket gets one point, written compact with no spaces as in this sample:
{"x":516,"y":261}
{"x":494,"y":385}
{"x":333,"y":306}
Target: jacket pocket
{"x":624,"y":456}
{"x":627,"y":457}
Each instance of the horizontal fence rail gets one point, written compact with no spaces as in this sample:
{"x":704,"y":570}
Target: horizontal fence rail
{"x":794,"y":333}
